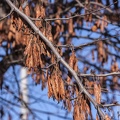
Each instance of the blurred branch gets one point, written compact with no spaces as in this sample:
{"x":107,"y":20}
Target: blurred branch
{"x":86,"y":44}
{"x":77,"y":15}
{"x":6,"y":62}
{"x":111,"y":105}
{"x":93,"y":13}
{"x":7,"y":15}
{"x":53,"y":114}
{"x":103,"y":6}
{"x":33,"y":109}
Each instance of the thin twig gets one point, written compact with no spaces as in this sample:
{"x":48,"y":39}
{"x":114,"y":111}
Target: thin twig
{"x":86,"y":44}
{"x":52,"y":64}
{"x":12,"y":9}
{"x":81,"y":5}
{"x":100,"y":75}
{"x":71,"y":17}
{"x":103,"y":7}
{"x":110,"y":105}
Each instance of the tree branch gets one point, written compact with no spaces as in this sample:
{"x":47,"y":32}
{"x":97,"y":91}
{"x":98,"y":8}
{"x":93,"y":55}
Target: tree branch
{"x":50,"y":45}
{"x":82,"y":15}
{"x":93,"y":13}
{"x":12,"y":9}
{"x":6,"y":62}
{"x":86,"y":44}
{"x":99,"y":75}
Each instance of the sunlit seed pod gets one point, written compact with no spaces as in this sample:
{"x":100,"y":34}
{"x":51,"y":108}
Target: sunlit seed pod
{"x":94,"y":28}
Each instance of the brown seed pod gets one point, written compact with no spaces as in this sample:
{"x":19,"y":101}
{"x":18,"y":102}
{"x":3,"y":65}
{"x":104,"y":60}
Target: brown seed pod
{"x":94,"y":28}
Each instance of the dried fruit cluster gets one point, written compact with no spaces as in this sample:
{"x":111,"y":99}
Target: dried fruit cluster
{"x":42,"y":63}
{"x":102,"y":24}
{"x":115,"y":68}
{"x":81,"y":107}
{"x":102,"y":52}
{"x":55,"y":85}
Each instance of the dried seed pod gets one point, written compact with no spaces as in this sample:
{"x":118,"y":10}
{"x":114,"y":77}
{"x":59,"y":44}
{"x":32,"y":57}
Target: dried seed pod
{"x":50,"y":90}
{"x":97,"y":93}
{"x":76,"y":112}
{"x":67,"y":102}
{"x":42,"y":10}
{"x":98,"y":23}
{"x":27,"y":10}
{"x":1,"y":25}
{"x":90,"y":18}
{"x":94,"y":28}
{"x":61,"y":89}
{"x":70,"y":26}
{"x":107,"y":117}
{"x":58,"y":21}
{"x":12,"y":30}
{"x":114,"y":67}
{"x":18,"y":36}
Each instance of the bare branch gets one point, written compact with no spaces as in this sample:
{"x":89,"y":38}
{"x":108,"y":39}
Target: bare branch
{"x":48,"y":43}
{"x":100,"y":75}
{"x":111,"y":105}
{"x":81,"y":5}
{"x":86,"y":44}
{"x":12,"y":9}
{"x":82,"y":15}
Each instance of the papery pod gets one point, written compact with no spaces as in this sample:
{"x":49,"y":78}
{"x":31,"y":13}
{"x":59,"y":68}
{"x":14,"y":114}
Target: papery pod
{"x":71,"y":60}
{"x":58,"y":21}
{"x":43,"y":80}
{"x":18,"y":37}
{"x":54,"y":84}
{"x":97,"y":118}
{"x":61,"y":89}
{"x":50,"y":90}
{"x":94,"y":28}
{"x":67,"y":102}
{"x":27,"y":10}
{"x":114,"y":67}
{"x":76,"y":112}
{"x":42,"y":9}
{"x":70,"y":26}
{"x":12,"y":30}
{"x":19,"y":22}
{"x":37,"y":10}
{"x":37,"y":80}
{"x":107,"y":117}
{"x":1,"y":25}
{"x":97,"y":93}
